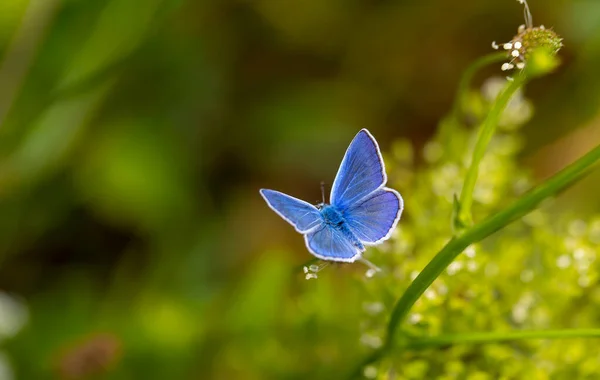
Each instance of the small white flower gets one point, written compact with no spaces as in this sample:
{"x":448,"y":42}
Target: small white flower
{"x":370,"y":372}
{"x":373,"y":308}
{"x":579,"y":254}
{"x":370,"y":273}
{"x":584,"y":281}
{"x":454,"y":267}
{"x":519,"y":313}
{"x":563,"y":261}
{"x":372,"y":341}
{"x":6,"y":372}
{"x":470,"y":251}
{"x":430,"y":294}
{"x":415,"y":318}
{"x":13,"y":315}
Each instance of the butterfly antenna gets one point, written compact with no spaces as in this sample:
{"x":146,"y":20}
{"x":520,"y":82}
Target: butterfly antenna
{"x":372,"y":267}
{"x":323,"y":191}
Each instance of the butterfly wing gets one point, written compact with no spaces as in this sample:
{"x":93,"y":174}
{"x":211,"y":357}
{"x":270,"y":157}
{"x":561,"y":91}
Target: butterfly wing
{"x":374,"y":217}
{"x":361,"y":172}
{"x":302,"y":215}
{"x":328,"y":243}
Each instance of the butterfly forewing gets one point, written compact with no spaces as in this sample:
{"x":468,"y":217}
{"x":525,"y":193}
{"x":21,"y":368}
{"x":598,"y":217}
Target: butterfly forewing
{"x":302,"y":215}
{"x":360,"y":173}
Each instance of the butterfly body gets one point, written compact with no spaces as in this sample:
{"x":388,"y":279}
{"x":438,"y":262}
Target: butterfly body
{"x":334,"y":219}
{"x":362,"y":211}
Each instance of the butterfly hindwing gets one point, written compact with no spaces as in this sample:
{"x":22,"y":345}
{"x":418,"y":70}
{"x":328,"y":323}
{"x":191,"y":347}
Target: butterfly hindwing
{"x":373,"y":218}
{"x":361,"y":172}
{"x":300,"y":214}
{"x":328,"y":243}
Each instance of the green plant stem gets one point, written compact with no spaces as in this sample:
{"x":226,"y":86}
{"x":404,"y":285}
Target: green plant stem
{"x":551,"y":187}
{"x":498,"y":337}
{"x":22,"y":50}
{"x":486,"y":132}
{"x":467,"y":78}
{"x":455,"y":246}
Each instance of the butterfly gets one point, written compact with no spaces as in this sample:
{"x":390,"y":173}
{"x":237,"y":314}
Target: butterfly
{"x":362,"y":211}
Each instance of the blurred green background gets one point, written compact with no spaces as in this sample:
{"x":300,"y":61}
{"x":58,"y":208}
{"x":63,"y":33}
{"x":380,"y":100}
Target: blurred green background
{"x":135,"y":134}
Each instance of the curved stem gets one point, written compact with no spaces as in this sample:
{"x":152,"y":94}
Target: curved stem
{"x":499,"y":336}
{"x":467,"y":78}
{"x":551,"y":187}
{"x":22,"y":50}
{"x":519,"y":208}
{"x":486,"y":132}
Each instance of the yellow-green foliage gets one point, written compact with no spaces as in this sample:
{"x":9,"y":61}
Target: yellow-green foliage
{"x":539,"y":273}
{"x":134,"y":136}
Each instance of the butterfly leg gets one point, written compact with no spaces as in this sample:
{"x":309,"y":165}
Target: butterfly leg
{"x":311,"y":271}
{"x":372,"y":267}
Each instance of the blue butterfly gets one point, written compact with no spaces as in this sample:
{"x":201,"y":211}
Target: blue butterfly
{"x":362,"y":211}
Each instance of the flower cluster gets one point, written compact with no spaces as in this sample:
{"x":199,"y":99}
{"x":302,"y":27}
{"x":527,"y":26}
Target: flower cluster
{"x":527,"y":39}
